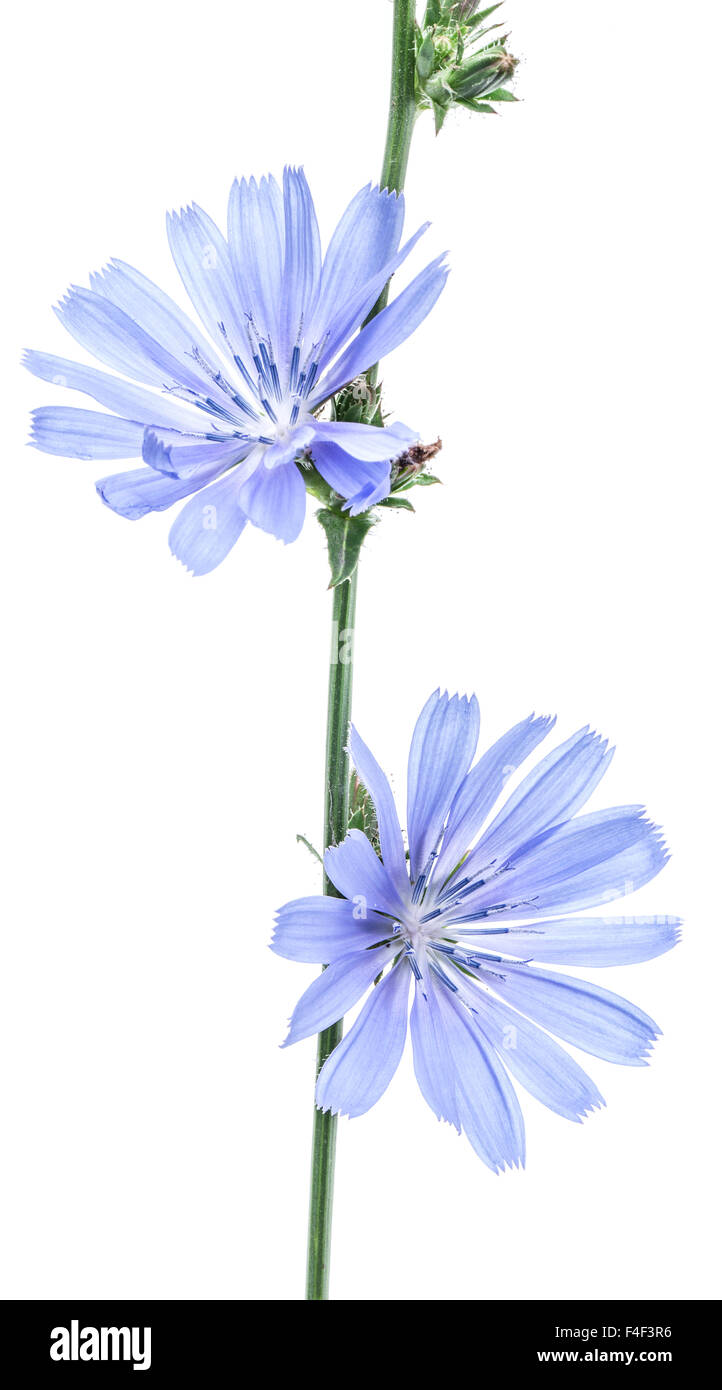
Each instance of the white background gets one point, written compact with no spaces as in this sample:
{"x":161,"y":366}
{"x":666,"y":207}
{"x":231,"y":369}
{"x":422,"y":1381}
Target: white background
{"x":164,"y":735}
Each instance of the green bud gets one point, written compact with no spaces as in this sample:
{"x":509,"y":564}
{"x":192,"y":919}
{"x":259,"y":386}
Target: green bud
{"x":362,"y":812}
{"x":482,"y":74}
{"x":444,"y":50}
{"x":451,"y":66}
{"x":357,"y":403}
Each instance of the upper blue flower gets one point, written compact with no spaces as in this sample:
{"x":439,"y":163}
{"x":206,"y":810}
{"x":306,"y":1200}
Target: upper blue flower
{"x":233,"y":411}
{"x":467,"y":919}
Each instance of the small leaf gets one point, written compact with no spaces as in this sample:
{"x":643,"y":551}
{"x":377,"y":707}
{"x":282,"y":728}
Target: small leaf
{"x":301,"y":840}
{"x":481,"y":15}
{"x":472,"y":105}
{"x":425,"y":480}
{"x":422,"y":479}
{"x":425,"y":58}
{"x":398,"y":503}
{"x":345,"y":536}
{"x":501,"y":94}
{"x":433,"y":13}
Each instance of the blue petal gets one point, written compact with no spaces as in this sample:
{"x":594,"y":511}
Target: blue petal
{"x":154,"y":311}
{"x":286,"y":449}
{"x":393,"y":851}
{"x":336,"y":991}
{"x":538,"y":1062}
{"x":84,"y":434}
{"x":433,"y":1065}
{"x":589,"y":860}
{"x":275,"y":500}
{"x":114,"y":338}
{"x":139,"y":491}
{"x":319,"y":930}
{"x":486,"y":1101}
{"x":551,"y":793}
{"x":483,"y":785}
{"x":442,"y":747}
{"x":351,"y":313}
{"x":184,"y":456}
{"x":208,"y":526}
{"x":593,"y":940}
{"x":255,"y":239}
{"x":582,"y":1014}
{"x":368,"y":495}
{"x":355,"y":310}
{"x":366,"y":442}
{"x":392,"y":326}
{"x":362,"y":484}
{"x":302,"y":262}
{"x":358,"y":1071}
{"x":204,"y":263}
{"x":132,"y":402}
{"x":366,"y":237}
{"x":358,"y":874}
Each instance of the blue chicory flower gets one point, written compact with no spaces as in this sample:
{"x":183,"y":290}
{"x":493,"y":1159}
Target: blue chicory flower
{"x":469,"y":921}
{"x":236,"y":409}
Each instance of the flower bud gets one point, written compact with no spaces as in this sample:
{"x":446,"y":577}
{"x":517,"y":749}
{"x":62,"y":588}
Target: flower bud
{"x":454,"y":66}
{"x":482,"y":74}
{"x":357,"y":402}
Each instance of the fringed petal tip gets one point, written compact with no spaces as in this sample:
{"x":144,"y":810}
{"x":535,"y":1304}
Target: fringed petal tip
{"x":509,"y":1165}
{"x":589,"y":1109}
{"x":155,"y":453}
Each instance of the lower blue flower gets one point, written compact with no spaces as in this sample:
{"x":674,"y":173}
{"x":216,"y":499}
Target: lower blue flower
{"x":467,"y":923}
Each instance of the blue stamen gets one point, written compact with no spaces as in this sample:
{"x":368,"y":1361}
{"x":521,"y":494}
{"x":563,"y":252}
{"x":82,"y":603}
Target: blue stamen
{"x":244,"y":371}
{"x":295,"y":363}
{"x":494,"y":931}
{"x":441,"y":975}
{"x":312,"y":374}
{"x":415,"y":967}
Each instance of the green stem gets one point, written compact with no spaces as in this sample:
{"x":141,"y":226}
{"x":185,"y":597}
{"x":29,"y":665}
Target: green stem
{"x":402,"y":102}
{"x":402,"y":114}
{"x":340,"y":682}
